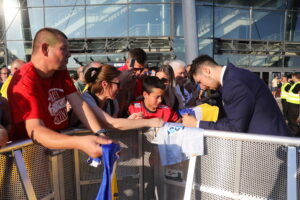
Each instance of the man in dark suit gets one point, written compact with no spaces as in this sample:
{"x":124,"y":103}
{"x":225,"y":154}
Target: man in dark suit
{"x":247,"y":101}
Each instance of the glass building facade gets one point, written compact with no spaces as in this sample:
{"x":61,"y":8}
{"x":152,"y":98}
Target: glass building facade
{"x":262,"y":35}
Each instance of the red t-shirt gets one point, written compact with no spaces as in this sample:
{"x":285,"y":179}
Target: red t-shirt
{"x":123,"y":68}
{"x":138,"y":90}
{"x":163,"y":112}
{"x":33,"y":97}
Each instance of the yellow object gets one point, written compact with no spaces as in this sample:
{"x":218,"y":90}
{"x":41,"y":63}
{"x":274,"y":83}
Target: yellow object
{"x":114,"y":185}
{"x":292,"y":97}
{"x":5,"y":86}
{"x":284,"y":94}
{"x":85,"y":88}
{"x":209,"y":113}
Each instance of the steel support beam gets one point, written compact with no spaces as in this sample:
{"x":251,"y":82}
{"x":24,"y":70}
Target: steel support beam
{"x":190,"y":30}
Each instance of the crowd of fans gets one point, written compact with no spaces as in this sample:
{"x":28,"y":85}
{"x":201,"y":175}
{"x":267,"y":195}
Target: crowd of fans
{"x":43,"y":98}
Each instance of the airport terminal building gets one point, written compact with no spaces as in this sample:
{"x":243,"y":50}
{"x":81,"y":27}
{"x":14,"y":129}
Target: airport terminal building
{"x":262,"y":35}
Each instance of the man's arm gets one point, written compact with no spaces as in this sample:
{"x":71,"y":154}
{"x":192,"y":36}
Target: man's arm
{"x":239,"y":108}
{"x":124,"y":123}
{"x":84,"y":112}
{"x":54,"y":140}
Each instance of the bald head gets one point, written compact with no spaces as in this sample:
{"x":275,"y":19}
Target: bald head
{"x":16,"y":64}
{"x":50,"y":36}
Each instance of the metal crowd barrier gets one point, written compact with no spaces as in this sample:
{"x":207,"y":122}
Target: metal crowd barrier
{"x":30,"y":171}
{"x":235,"y":166}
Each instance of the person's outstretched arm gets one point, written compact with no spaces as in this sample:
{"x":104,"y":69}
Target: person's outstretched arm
{"x":46,"y":137}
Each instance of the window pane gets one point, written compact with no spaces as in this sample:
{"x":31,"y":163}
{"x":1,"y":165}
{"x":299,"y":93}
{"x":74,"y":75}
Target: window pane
{"x":253,"y":3}
{"x":13,"y":20}
{"x":25,"y":25}
{"x":267,"y":25}
{"x":233,"y":2}
{"x":18,"y":49}
{"x":64,"y":2}
{"x":293,"y":26}
{"x":268,"y":3}
{"x":35,"y":22}
{"x":149,"y":20}
{"x":292,"y":61}
{"x":105,"y":1}
{"x":148,"y":1}
{"x":107,"y":21}
{"x":231,"y":23}
{"x":31,"y":3}
{"x":204,"y":15}
{"x":179,"y":48}
{"x":178,"y":24}
{"x":266,"y":61}
{"x":71,"y":62}
{"x":237,"y":60}
{"x":205,"y":47}
{"x":69,"y":20}
{"x":109,"y":58}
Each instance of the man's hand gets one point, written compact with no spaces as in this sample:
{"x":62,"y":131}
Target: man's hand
{"x":298,"y":121}
{"x":90,"y":144}
{"x":189,"y":121}
{"x":155,"y":122}
{"x":138,"y":115}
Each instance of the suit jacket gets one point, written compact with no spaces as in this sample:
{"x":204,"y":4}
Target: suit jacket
{"x":248,"y":105}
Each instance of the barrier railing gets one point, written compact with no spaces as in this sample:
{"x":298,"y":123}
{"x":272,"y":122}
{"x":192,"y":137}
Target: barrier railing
{"x":30,"y":171}
{"x":235,"y":166}
{"x":238,"y":166}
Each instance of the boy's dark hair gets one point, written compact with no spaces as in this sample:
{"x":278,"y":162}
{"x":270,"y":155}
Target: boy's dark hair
{"x":200,"y":61}
{"x":139,"y":55}
{"x":151,"y":82}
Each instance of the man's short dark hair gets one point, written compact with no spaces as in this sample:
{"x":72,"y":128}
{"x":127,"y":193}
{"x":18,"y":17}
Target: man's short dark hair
{"x":200,"y":61}
{"x":139,"y":55}
{"x":151,"y":82}
{"x":40,"y":35}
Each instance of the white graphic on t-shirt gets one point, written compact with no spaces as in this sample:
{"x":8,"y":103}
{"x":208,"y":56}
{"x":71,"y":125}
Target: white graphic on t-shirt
{"x":57,"y":105}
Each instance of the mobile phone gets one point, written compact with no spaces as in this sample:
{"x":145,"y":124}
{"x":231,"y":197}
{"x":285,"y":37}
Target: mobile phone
{"x":132,"y":62}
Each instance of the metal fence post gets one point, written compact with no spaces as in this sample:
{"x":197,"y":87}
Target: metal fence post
{"x":55,"y":175}
{"x":27,"y":185}
{"x":141,"y":166}
{"x":292,"y":173}
{"x":190,"y":178}
{"x":77,"y":174}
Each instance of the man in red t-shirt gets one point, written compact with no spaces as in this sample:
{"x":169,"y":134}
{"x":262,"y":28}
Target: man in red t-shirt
{"x":153,"y":91}
{"x":37,"y":98}
{"x":131,"y":78}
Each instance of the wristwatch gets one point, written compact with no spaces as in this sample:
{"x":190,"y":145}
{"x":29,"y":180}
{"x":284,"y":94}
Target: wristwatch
{"x":104,"y":131}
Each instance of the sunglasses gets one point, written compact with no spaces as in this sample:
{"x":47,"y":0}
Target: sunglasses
{"x":117,"y":83}
{"x":164,"y":80}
